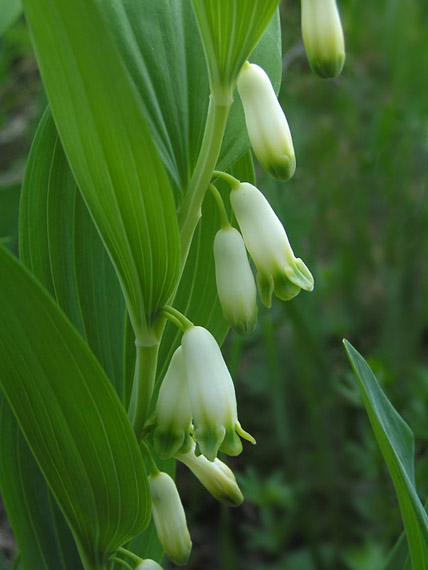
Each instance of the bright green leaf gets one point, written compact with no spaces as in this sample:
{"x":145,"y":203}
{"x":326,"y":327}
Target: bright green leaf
{"x":396,"y":443}
{"x":71,"y":417}
{"x":111,"y":152}
{"x":10,"y":10}
{"x":230,"y":30}
{"x":59,"y":243}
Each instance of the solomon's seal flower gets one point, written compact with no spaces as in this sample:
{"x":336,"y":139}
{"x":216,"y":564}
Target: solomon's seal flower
{"x":323,"y":37}
{"x":148,"y":564}
{"x":215,"y":476}
{"x":212,"y":395}
{"x":169,"y":518}
{"x":173,"y":416}
{"x":279,"y":271}
{"x":267,"y":126}
{"x":235,"y":282}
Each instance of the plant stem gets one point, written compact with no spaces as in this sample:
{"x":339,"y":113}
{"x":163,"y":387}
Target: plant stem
{"x":190,"y":209}
{"x":231,"y":180}
{"x":174,"y":315}
{"x":144,"y":380}
{"x":224,"y":218}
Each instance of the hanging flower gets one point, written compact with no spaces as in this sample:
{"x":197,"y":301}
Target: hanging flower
{"x":212,"y":395}
{"x":173,"y":416}
{"x":323,"y":37}
{"x":279,"y":271}
{"x":215,"y":476}
{"x":235,"y":282}
{"x":148,"y":564}
{"x":169,"y":518}
{"x":267,"y":125}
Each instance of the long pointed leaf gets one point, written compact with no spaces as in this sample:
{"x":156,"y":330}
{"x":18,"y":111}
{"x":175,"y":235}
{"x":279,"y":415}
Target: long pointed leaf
{"x":110,"y":149}
{"x":70,"y":416}
{"x":396,"y":443}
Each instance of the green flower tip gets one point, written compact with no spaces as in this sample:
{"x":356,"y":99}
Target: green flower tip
{"x":282,"y":169}
{"x":329,"y":68}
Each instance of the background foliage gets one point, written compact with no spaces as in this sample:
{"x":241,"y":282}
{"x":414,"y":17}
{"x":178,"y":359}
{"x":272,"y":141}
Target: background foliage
{"x":318,"y":493}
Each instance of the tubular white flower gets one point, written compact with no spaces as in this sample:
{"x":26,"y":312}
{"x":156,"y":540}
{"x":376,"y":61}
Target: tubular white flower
{"x":278,"y":269}
{"x":173,"y":416}
{"x":148,"y":564}
{"x":169,"y":518}
{"x":267,"y":125}
{"x":235,"y":282}
{"x":323,"y":37}
{"x":212,"y":395}
{"x":215,"y":476}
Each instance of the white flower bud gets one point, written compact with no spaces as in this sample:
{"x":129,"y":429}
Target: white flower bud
{"x":148,"y":564}
{"x":215,"y":476}
{"x":169,"y":518}
{"x":212,"y":395}
{"x":278,"y":269}
{"x":173,"y":416}
{"x":235,"y":282}
{"x":323,"y":37}
{"x":267,"y":126}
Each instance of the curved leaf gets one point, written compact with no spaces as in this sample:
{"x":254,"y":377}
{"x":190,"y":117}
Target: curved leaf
{"x":173,"y":85}
{"x":71,"y":417}
{"x":59,"y":243}
{"x":44,"y":538}
{"x":111,"y":152}
{"x":230,"y":29}
{"x":396,"y":443}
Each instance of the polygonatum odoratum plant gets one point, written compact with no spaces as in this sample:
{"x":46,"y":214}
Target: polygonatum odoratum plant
{"x":143,"y":237}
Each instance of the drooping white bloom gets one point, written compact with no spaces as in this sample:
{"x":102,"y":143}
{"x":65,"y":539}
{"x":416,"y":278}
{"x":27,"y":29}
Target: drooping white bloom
{"x":212,"y":395}
{"x":267,"y":125}
{"x":169,"y":518}
{"x":278,"y":269}
{"x":323,"y":37}
{"x":173,"y":416}
{"x":235,"y":282}
{"x":148,"y":564}
{"x":215,"y":476}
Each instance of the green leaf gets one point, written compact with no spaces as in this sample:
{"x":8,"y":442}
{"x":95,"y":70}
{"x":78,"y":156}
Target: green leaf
{"x":111,"y":152}
{"x":10,"y":10}
{"x":399,"y":556}
{"x":173,"y":85}
{"x":230,"y":30}
{"x":71,"y":417}
{"x":60,"y":244}
{"x":44,"y":538}
{"x":396,"y":443}
{"x":9,"y":203}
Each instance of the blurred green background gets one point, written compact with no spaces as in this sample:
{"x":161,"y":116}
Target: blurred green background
{"x":318,"y":495}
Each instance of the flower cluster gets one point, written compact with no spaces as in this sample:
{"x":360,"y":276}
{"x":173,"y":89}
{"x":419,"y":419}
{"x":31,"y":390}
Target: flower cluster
{"x":196,"y":411}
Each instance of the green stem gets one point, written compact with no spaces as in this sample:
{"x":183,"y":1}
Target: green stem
{"x":152,"y":465}
{"x":144,"y":381}
{"x":129,"y":554}
{"x":121,"y":562}
{"x":224,"y":218}
{"x":176,"y":317}
{"x":190,"y":209}
{"x":231,"y":180}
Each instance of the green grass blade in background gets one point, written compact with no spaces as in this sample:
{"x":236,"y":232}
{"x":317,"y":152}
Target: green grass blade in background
{"x":110,"y":150}
{"x":71,"y":417}
{"x":398,"y":558}
{"x":10,"y":10}
{"x":396,"y":443}
{"x":177,"y":115}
